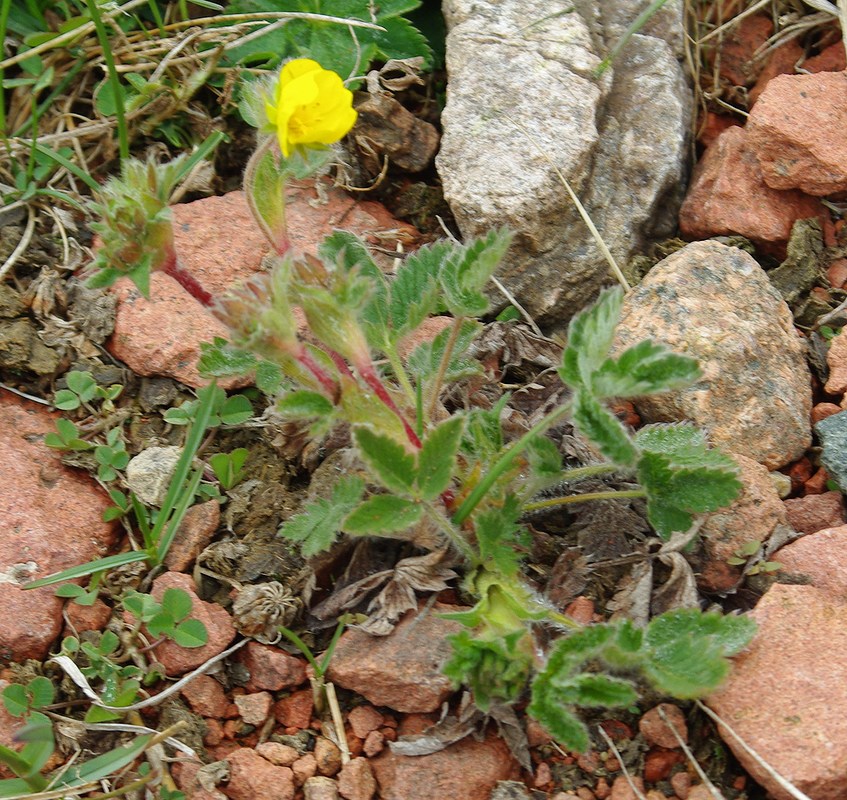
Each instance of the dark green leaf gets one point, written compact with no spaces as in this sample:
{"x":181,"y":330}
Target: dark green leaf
{"x":15,"y":700}
{"x":544,"y":458}
{"x":437,"y":458}
{"x":392,"y":465}
{"x":414,"y":290}
{"x":235,"y":410}
{"x":42,"y":691}
{"x":603,"y":429}
{"x":222,"y":360}
{"x":382,"y":514}
{"x":177,"y":603}
{"x":592,"y":690}
{"x":425,"y":359}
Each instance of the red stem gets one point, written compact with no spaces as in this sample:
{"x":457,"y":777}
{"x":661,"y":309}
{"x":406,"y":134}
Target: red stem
{"x":328,"y":384}
{"x":371,"y":379}
{"x":187,"y":281}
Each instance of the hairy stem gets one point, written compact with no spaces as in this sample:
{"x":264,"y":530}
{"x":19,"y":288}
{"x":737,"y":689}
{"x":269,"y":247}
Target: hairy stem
{"x":577,"y":474}
{"x":187,"y":281}
{"x":278,"y":239}
{"x":329,"y":385}
{"x":611,"y":494}
{"x":445,"y":362}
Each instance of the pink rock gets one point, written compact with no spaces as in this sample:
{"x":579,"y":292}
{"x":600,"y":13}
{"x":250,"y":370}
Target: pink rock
{"x":271,"y":668}
{"x":780,"y":696}
{"x":185,"y":774}
{"x":87,"y":618}
{"x":206,"y":697}
{"x":374,"y":744}
{"x":831,"y":59}
{"x":657,"y":731}
{"x":178,"y":660}
{"x":50,"y":516}
{"x":836,"y":358}
{"x":738,"y":64}
{"x":320,"y":788}
{"x":814,"y":512}
{"x":254,"y":708}
{"x":219,"y":244}
{"x":822,"y":411}
{"x":820,"y":557}
{"x":328,"y":756}
{"x":729,"y":195}
{"x":196,"y":531}
{"x":356,"y":780}
{"x":791,"y":131}
{"x":363,"y":720}
{"x":295,"y":711}
{"x":752,"y":517}
{"x":401,"y":670}
{"x":621,"y":790}
{"x":782,"y":61}
{"x":280,"y":754}
{"x":304,"y":768}
{"x":467,"y":770}
{"x":253,"y":778}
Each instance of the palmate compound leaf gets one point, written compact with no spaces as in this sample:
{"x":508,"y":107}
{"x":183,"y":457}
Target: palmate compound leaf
{"x":686,"y":650}
{"x":603,"y":429}
{"x":644,"y":368}
{"x":318,"y":525}
{"x":590,"y":335}
{"x":390,"y":462}
{"x":682,"y":477}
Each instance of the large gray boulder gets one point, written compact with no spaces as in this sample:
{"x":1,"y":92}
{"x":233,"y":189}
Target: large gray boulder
{"x":523,"y":105}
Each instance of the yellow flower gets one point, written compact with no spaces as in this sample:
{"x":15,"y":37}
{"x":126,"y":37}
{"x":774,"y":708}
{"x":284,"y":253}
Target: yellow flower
{"x":310,"y":106}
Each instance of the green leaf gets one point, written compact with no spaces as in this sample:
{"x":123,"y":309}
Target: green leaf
{"x":304,"y":404}
{"x":467,"y":270}
{"x":590,"y":335}
{"x":110,"y":562}
{"x":16,"y":700}
{"x":220,"y":359}
{"x":42,"y":691}
{"x":498,"y":535}
{"x":414,"y":290}
{"x":437,"y":458}
{"x":191,"y":633}
{"x":382,"y":514}
{"x":644,"y":368}
{"x":561,"y":723}
{"x":318,"y":525}
{"x":235,"y":410}
{"x":687,"y":650}
{"x":425,"y":359}
{"x":82,"y":384}
{"x":177,"y":602}
{"x":38,"y":735}
{"x":392,"y":465}
{"x":544,"y":458}
{"x":102,"y":766}
{"x":595,"y":690}
{"x":603,"y":429}
{"x":66,"y":400}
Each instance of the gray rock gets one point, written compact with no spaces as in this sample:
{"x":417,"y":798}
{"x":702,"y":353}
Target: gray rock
{"x":715,"y":303}
{"x":149,"y":473}
{"x":509,"y":790}
{"x":524,"y":106}
{"x":833,"y":435}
